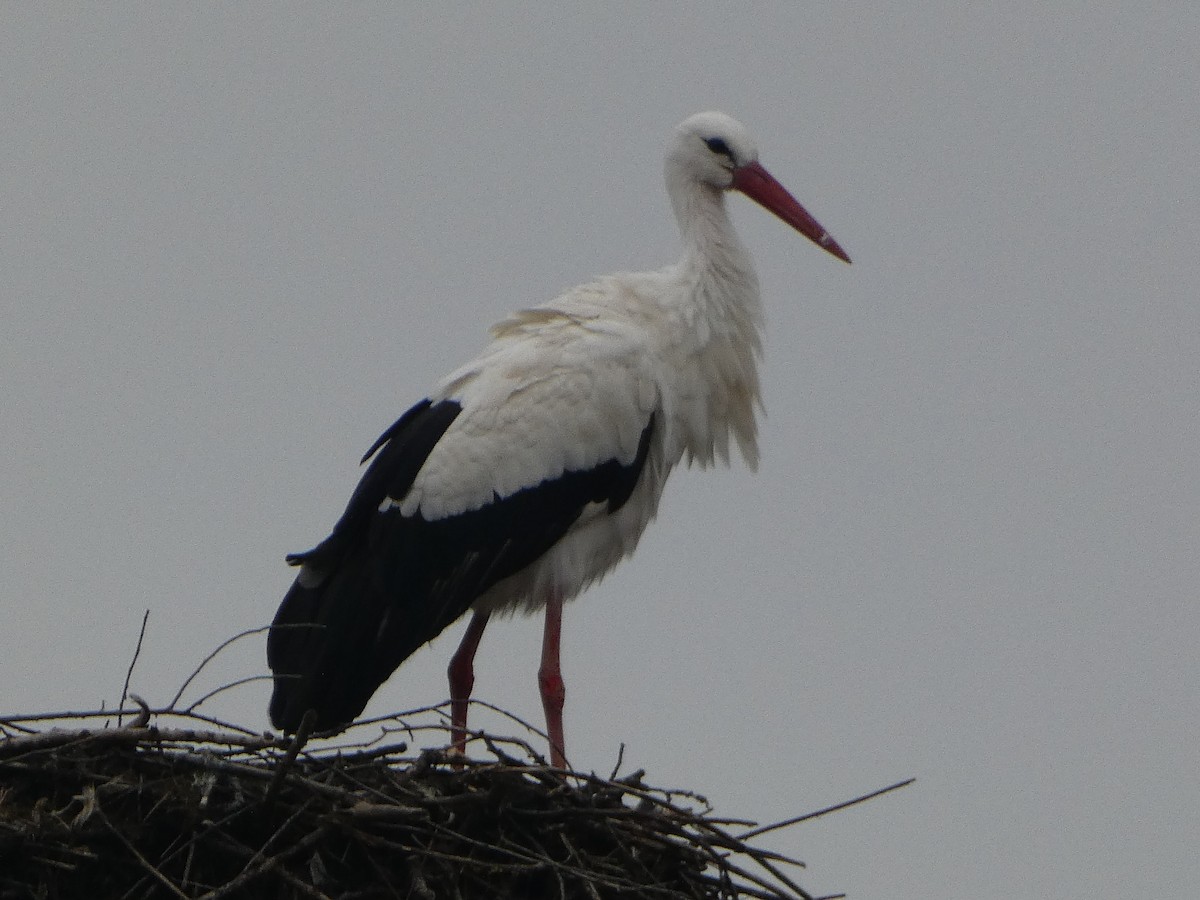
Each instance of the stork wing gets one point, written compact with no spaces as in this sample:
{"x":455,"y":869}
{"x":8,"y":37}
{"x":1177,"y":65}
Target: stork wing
{"x":463,"y":491}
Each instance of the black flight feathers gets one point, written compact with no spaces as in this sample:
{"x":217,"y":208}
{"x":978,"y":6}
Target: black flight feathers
{"x":382,"y":584}
{"x":408,"y":442}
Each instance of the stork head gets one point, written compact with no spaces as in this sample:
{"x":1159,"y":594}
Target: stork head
{"x":713,"y":149}
{"x":709,"y":147}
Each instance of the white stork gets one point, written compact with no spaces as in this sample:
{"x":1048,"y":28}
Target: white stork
{"x":529,"y":472}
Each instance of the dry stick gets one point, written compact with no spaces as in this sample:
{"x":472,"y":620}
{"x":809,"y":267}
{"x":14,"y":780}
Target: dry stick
{"x":381,"y":753}
{"x":261,"y":852}
{"x":58,"y":716}
{"x":724,"y":883}
{"x":209,"y":720}
{"x":820,"y":812}
{"x":722,"y":820}
{"x":49,"y":740}
{"x":494,"y":747}
{"x":620,"y":758}
{"x":629,"y":859}
{"x":772,"y":890}
{"x":721,"y":839}
{"x":6,"y":727}
{"x":309,"y":840}
{"x":211,"y":828}
{"x":204,"y":662}
{"x":758,"y":858}
{"x":618,"y":880}
{"x":245,"y":850}
{"x":398,"y":716}
{"x":225,"y":687}
{"x":723,"y":863}
{"x":187,"y":863}
{"x":511,"y":717}
{"x":133,"y":662}
{"x":145,"y":863}
{"x":443,"y":728}
{"x":526,"y":863}
{"x":14,"y":749}
{"x":306,"y":724}
{"x":381,"y":874}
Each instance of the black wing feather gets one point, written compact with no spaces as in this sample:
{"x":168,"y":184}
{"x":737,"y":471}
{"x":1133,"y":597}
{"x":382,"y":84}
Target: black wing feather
{"x":393,"y":582}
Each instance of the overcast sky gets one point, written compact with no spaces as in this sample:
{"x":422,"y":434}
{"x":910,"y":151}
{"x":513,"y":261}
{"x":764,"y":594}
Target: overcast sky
{"x":236,"y":243}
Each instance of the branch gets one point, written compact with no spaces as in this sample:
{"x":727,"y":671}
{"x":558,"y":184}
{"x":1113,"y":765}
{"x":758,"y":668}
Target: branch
{"x":137,"y":651}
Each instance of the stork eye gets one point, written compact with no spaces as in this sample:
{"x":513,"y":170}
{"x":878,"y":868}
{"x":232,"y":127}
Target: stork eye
{"x":718,"y":145}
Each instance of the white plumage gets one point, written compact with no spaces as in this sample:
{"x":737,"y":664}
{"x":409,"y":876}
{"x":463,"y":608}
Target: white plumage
{"x":532,"y":470}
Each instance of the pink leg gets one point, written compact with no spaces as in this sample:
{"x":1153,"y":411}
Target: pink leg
{"x":550,"y":680}
{"x":462,"y":679}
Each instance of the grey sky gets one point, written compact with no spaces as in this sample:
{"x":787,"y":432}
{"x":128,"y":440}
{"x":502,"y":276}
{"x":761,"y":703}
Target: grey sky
{"x":236,"y":244}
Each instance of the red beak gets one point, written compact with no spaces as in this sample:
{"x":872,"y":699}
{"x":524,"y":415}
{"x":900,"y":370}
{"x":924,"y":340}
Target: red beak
{"x":760,"y":186}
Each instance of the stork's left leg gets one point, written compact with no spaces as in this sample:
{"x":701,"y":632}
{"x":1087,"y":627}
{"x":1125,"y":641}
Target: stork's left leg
{"x":462,"y":679}
{"x":550,"y":680}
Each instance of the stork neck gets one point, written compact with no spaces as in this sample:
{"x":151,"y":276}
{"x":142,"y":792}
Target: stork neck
{"x":710,"y":243}
{"x":721,"y":340}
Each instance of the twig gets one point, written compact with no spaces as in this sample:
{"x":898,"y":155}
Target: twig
{"x":311,"y":839}
{"x":33,"y":743}
{"x":210,"y":720}
{"x":59,"y":716}
{"x":133,"y":662}
{"x":225,"y":687}
{"x":620,"y":758}
{"x":821,"y":812}
{"x":142,"y":861}
{"x":293,"y":750}
{"x":204,"y":662}
{"x":304,"y":888}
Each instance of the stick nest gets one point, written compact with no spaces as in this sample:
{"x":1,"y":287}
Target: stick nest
{"x":171,"y":807}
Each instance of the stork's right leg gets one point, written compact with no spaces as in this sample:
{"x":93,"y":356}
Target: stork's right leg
{"x":462,"y":679}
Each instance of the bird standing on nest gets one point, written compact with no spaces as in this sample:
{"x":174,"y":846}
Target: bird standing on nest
{"x":529,"y":472}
